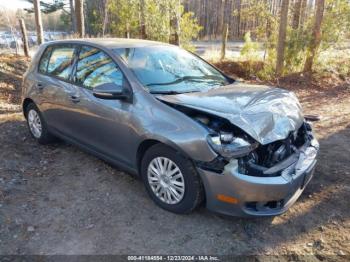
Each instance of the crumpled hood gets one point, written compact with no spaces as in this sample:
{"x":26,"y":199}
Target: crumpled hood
{"x":265,"y":113}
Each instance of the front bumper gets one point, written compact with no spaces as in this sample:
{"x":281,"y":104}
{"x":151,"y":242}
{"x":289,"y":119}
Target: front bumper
{"x":260,"y":196}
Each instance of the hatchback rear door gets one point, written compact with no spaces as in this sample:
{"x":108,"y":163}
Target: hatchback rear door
{"x":55,"y":87}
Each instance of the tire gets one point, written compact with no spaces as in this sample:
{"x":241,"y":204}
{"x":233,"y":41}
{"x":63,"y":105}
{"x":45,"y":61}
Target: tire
{"x":43,"y":136}
{"x":193,"y":188}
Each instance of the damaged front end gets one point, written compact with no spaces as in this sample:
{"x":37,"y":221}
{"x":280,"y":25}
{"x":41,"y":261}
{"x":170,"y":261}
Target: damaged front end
{"x":251,"y":179}
{"x":266,"y":152}
{"x":272,"y":159}
{"x":253,"y":159}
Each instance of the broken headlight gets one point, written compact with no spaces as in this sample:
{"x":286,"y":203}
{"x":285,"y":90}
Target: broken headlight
{"x":229,"y":146}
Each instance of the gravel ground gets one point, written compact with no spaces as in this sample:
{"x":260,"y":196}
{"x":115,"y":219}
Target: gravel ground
{"x":57,"y":199}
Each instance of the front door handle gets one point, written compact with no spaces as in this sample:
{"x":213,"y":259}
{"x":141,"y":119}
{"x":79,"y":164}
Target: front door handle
{"x":40,"y":85}
{"x":75,"y":99}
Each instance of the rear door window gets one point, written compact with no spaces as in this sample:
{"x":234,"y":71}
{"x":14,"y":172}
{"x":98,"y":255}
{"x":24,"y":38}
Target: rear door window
{"x":61,"y":61}
{"x":94,"y":68}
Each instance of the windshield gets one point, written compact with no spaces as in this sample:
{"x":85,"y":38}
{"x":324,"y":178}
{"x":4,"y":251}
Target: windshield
{"x":170,"y":70}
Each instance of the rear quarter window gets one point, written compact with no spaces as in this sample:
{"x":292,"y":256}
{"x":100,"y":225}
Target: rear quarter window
{"x":44,"y":60}
{"x":61,"y":61}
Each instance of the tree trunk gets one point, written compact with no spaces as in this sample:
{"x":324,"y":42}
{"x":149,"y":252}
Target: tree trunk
{"x":127,"y":31}
{"x":222,"y":16}
{"x":79,"y":14}
{"x":316,"y":37}
{"x":38,"y":22}
{"x":105,"y":17}
{"x":239,"y":18}
{"x":207,"y":22}
{"x":142,"y":20}
{"x":24,"y":37}
{"x":174,"y":26}
{"x":224,"y":41}
{"x":296,"y":14}
{"x":282,"y":37}
{"x":72,"y":16}
{"x":302,"y":14}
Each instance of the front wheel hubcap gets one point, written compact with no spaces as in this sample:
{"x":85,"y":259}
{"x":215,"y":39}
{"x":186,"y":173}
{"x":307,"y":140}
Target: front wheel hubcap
{"x":34,"y":123}
{"x":166,"y":180}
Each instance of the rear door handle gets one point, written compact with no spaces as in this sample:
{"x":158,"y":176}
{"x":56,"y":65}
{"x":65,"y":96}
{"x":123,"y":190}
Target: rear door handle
{"x":75,"y":99}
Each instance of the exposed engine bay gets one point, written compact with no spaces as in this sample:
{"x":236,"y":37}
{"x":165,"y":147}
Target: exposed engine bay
{"x":254,"y":158}
{"x":261,"y":162}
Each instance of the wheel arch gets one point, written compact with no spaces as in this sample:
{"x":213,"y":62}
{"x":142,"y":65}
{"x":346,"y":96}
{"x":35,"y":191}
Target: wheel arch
{"x":149,"y":142}
{"x":25,"y":104}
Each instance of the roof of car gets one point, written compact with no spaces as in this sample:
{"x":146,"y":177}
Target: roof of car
{"x":111,"y":43}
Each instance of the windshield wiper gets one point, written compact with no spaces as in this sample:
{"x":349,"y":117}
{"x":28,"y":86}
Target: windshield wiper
{"x":172,"y":92}
{"x":188,"y":78}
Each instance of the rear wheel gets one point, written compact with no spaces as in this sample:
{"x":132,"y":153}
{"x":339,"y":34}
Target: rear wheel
{"x":37,"y":125}
{"x":171,"y":180}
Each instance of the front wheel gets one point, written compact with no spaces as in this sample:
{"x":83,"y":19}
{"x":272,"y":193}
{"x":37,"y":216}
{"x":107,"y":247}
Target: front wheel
{"x":171,"y":180}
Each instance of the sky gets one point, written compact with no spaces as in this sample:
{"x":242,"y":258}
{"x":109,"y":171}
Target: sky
{"x":14,"y":4}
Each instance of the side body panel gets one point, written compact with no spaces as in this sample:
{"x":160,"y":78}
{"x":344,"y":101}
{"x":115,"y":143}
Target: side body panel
{"x":118,"y":128}
{"x":152,"y":119}
{"x":102,"y":125}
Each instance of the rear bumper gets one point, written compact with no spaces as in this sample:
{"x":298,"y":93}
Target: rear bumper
{"x":260,"y":196}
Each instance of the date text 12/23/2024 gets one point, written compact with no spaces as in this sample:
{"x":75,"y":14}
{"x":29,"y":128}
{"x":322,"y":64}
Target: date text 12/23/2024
{"x":173,"y":258}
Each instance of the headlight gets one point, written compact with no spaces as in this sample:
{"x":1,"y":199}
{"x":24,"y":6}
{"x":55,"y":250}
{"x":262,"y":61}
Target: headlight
{"x":230,"y":146}
{"x":226,"y":138}
{"x":222,"y":138}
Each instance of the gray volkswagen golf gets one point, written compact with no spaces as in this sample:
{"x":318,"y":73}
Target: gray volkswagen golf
{"x":192,"y":133}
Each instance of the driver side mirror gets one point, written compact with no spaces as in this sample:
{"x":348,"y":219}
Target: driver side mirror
{"x":110,"y":91}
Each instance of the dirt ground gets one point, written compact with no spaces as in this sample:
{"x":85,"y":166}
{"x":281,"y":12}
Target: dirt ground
{"x":57,"y":199}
